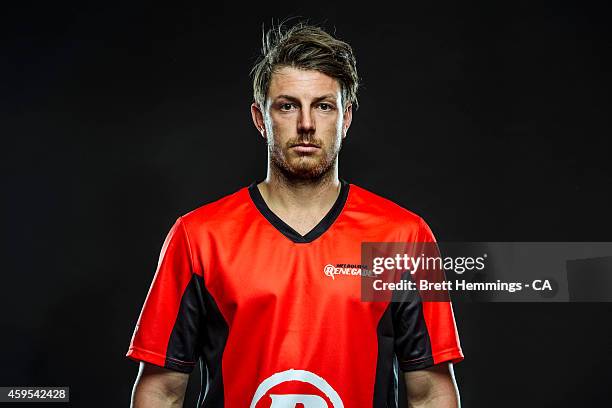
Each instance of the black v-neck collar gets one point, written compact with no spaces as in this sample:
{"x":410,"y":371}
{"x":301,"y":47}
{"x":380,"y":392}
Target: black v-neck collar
{"x":289,"y":232}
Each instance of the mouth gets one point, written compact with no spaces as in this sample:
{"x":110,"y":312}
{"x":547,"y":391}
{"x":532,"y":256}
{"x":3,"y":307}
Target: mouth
{"x":305,"y":147}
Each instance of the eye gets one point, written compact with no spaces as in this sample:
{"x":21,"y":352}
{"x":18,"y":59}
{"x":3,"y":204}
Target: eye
{"x":325,"y":106}
{"x":286,"y":106}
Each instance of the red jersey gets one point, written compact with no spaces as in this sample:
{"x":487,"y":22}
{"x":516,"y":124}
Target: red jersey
{"x":241,"y":291}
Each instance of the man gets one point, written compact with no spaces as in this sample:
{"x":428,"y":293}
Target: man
{"x":242,"y":284}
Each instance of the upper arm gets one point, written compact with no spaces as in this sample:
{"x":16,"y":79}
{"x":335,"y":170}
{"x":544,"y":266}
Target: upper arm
{"x":433,"y":386}
{"x":158,"y":386}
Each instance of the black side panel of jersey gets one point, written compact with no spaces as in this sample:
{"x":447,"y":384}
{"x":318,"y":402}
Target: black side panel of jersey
{"x":200,"y":331}
{"x":412,"y":342}
{"x":401,"y":330}
{"x":384,"y":385}
{"x":184,"y":344}
{"x":216,"y":332}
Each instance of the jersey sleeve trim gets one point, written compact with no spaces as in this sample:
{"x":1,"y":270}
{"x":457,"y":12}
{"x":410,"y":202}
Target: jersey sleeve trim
{"x":147,"y":356}
{"x":453,"y":355}
{"x":416,"y":364}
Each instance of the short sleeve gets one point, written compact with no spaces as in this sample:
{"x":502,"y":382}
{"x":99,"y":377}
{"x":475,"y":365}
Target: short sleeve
{"x":425,"y":330}
{"x":168,"y":331}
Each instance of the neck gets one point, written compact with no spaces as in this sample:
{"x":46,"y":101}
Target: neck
{"x":303,"y":193}
{"x":301,"y":203}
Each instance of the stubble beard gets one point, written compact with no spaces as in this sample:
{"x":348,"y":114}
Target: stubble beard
{"x":303,"y":169}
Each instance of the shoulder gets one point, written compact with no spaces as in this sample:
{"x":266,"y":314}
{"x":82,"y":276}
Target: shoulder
{"x":225,"y":210}
{"x":379,"y":206}
{"x":384,"y":211}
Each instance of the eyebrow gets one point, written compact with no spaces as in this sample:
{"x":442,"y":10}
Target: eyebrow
{"x":294,"y":99}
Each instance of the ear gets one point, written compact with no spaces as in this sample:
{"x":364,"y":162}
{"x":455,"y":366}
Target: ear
{"x":348,"y":118}
{"x":258,"y":119}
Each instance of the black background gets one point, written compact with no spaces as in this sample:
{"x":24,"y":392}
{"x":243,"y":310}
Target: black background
{"x":490,"y":121}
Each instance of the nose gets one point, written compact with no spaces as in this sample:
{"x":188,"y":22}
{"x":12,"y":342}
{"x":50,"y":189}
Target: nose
{"x":306,"y":122}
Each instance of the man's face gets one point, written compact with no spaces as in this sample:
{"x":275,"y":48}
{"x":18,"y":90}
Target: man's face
{"x":303,"y":122}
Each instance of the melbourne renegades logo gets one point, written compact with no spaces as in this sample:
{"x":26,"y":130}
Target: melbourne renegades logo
{"x":276,"y":391}
{"x":346,"y":270}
